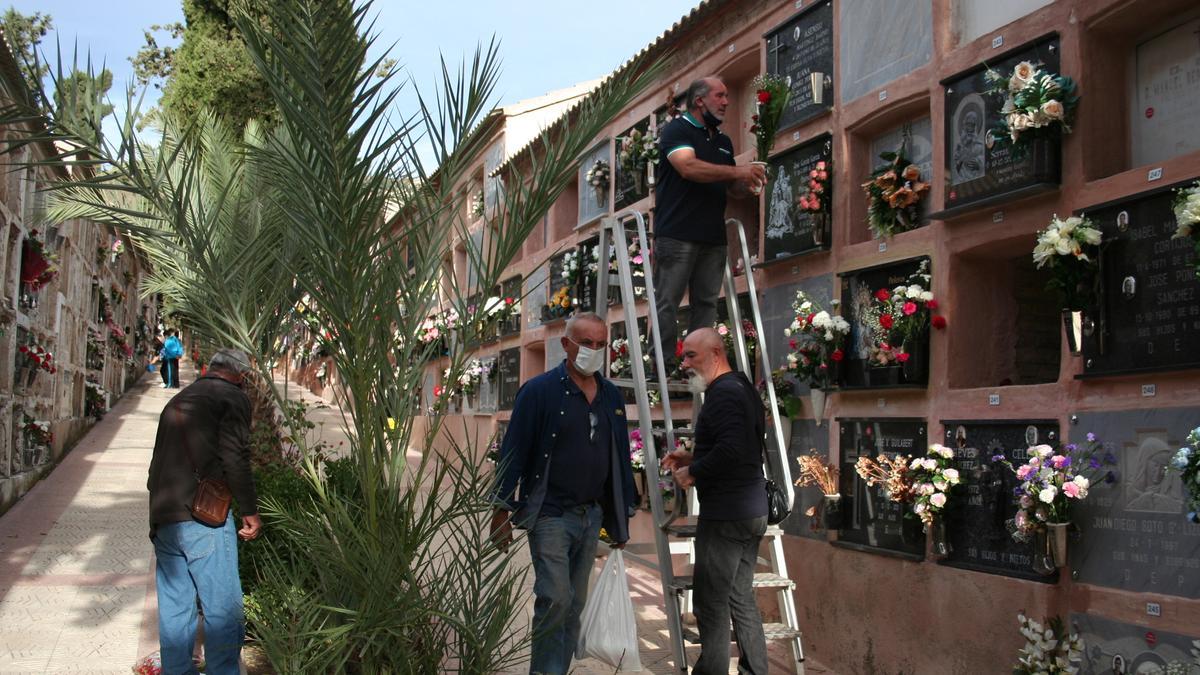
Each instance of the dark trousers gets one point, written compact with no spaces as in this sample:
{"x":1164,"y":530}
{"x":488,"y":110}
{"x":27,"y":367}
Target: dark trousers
{"x":726,"y":555}
{"x":688,"y":266}
{"x":171,"y":372}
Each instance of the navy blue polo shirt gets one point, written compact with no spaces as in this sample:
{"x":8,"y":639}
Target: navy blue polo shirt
{"x":684,"y":209}
{"x":581,"y":457}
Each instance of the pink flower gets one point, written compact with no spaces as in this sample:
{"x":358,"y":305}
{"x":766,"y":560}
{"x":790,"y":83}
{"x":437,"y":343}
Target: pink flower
{"x":910,"y":308}
{"x":1071,"y":490}
{"x":821,"y":166}
{"x":1024,"y":471}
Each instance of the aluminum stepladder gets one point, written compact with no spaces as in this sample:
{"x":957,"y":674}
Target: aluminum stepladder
{"x":613,"y":238}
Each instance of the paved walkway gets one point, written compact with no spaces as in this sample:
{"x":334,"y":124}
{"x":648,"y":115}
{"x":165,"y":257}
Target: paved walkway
{"x":76,"y":566}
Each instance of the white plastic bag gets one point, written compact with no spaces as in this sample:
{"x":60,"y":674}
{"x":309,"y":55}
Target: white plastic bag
{"x":608,"y":630}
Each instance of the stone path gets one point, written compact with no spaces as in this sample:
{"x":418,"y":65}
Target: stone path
{"x":77,"y":571}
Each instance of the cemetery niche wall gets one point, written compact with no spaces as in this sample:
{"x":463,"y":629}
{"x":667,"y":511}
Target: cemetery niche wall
{"x":1148,"y":308}
{"x":802,"y":51}
{"x":977,"y":521}
{"x":980,"y":171}
{"x":791,"y":227}
{"x":871,"y":521}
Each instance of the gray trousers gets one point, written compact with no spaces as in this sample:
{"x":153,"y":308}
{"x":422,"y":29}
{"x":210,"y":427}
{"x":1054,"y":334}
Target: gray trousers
{"x":726,"y":555}
{"x":688,"y":266}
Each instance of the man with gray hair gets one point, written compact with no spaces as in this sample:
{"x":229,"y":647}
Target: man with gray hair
{"x":696,"y":171}
{"x":567,"y":450}
{"x":203,"y":432}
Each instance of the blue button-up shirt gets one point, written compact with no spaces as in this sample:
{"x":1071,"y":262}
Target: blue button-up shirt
{"x":527,"y":451}
{"x":581,"y":454}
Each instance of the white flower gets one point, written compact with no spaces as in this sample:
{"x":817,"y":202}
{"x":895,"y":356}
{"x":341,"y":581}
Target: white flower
{"x":821,"y":320}
{"x":1048,"y":494}
{"x":915,"y":291}
{"x":1042,"y":450}
{"x":1024,"y":73}
{"x":917,"y":463}
{"x":938,"y":500}
{"x":926,"y":296}
{"x":952,"y":476}
{"x":941,"y":484}
{"x":930,"y":464}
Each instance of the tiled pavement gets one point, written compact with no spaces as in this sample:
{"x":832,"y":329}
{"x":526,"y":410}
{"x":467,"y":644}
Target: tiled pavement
{"x":76,"y":566}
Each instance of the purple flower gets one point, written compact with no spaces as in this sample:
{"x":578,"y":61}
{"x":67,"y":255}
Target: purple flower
{"x":1093,"y":463}
{"x":1071,"y":447}
{"x":1091,"y":437}
{"x":1110,"y":477}
{"x":1109,"y":458}
{"x":999,"y":457}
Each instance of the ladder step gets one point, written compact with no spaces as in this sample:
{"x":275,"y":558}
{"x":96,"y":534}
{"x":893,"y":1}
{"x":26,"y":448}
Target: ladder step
{"x":772,"y":631}
{"x":683,"y":582}
{"x":628,"y":383}
{"x":686,"y":528}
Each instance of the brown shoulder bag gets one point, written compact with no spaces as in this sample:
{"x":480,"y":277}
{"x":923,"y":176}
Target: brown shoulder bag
{"x":210,"y":505}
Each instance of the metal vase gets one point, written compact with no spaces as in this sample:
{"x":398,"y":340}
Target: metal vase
{"x":831,"y":512}
{"x":817,"y":396}
{"x":937,"y":533}
{"x":1073,"y":323}
{"x":601,"y":194}
{"x":1056,"y":543}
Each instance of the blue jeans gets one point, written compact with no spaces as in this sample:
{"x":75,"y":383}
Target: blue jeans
{"x":563,"y":549}
{"x":726,"y":555}
{"x":194,"y":561}
{"x":688,"y":266}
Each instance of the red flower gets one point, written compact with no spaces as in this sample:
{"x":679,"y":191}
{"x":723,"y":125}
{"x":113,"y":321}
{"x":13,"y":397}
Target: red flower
{"x":763,"y":96}
{"x":886,"y":321}
{"x":508,"y":301}
{"x":910,"y":308}
{"x":811,"y":317}
{"x":902,"y":357}
{"x":792,"y":344}
{"x":837,"y":355}
{"x":883,"y":295}
{"x":932,"y":304}
{"x":23,"y":349}
{"x":678,"y":348}
{"x":939,"y":322}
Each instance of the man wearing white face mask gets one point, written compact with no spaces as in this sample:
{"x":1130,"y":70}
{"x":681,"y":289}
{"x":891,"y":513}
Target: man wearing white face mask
{"x":565,"y":473}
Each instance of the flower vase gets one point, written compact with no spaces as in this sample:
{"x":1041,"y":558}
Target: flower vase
{"x":600,"y":192}
{"x":883,"y":376}
{"x":817,"y":396}
{"x":1056,"y":543}
{"x":765,"y":168}
{"x":831,"y":512}
{"x":30,"y":376}
{"x":912,"y":531}
{"x":1073,"y":323}
{"x":941,"y":544}
{"x":639,"y":175}
{"x":819,"y":223}
{"x":916,"y":368}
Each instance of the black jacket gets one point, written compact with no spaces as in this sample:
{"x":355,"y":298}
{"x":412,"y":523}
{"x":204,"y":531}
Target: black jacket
{"x":729,"y":452}
{"x":213,"y":424}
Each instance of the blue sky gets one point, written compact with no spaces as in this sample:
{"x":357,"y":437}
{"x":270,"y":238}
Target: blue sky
{"x":545,"y":45}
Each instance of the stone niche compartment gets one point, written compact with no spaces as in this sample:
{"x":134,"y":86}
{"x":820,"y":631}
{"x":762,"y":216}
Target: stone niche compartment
{"x":594,"y":203}
{"x":880,"y":41}
{"x":871,"y":521}
{"x":1150,"y":61}
{"x":909,"y":124}
{"x":630,"y":185}
{"x":1001,"y":310}
{"x":857,"y":290}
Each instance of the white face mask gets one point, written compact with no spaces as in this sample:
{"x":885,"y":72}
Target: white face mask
{"x":589,"y":360}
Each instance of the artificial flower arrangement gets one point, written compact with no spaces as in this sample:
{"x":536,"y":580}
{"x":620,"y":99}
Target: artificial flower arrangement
{"x":1052,"y":481}
{"x":1037,"y":103}
{"x":637,"y":449}
{"x":637,"y":150}
{"x":816,"y":198}
{"x":39,"y":357}
{"x":748,"y":333}
{"x":1070,"y":247}
{"x":817,"y":471}
{"x":477,"y":204}
{"x":816,"y":337}
{"x":574,"y":265}
{"x":95,"y":349}
{"x":933,"y":482}
{"x":37,"y":266}
{"x":1187,"y":462}
{"x":599,"y":175}
{"x":439,"y":325}
{"x":472,"y":374}
{"x":637,"y":267}
{"x":1187,"y":216}
{"x":1049,"y":649}
{"x":560,"y":303}
{"x":117,"y":337}
{"x":499,"y":309}
{"x":900,"y":317}
{"x":891,"y":473}
{"x":894,"y":195}
{"x":621,"y":359}
{"x":37,"y":432}
{"x":770,"y":101}
{"x":117,"y":248}
{"x":94,"y":398}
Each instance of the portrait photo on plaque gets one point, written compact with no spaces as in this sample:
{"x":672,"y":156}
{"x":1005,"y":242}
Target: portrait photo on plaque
{"x":979,"y":168}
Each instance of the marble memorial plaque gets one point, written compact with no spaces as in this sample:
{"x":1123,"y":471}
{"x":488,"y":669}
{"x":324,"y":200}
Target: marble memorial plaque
{"x":508,"y":377}
{"x":1166,"y":109}
{"x":976,"y":18}
{"x":802,"y":51}
{"x":791,"y":230}
{"x":857,"y":291}
{"x":978,"y":169}
{"x":536,"y":296}
{"x":1111,"y":647}
{"x":594,"y":203}
{"x":806,"y":436}
{"x":976,"y":521}
{"x":1149,"y":317}
{"x":554,"y":352}
{"x":777,"y":314}
{"x":1136,"y":536}
{"x":918,"y":149}
{"x":870,"y":519}
{"x":880,"y":41}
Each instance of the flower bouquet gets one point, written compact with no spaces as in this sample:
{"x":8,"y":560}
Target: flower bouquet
{"x":1052,"y":481}
{"x":890,"y":473}
{"x":899,"y":319}
{"x":620,"y":363}
{"x":816,"y":338}
{"x":1187,"y":216}
{"x":824,"y":475}
{"x":770,"y":102}
{"x":473,"y":373}
{"x":598,"y":177}
{"x":729,"y":337}
{"x":1049,"y":649}
{"x":934,"y":480}
{"x":815,"y":200}
{"x":37,"y":432}
{"x":637,"y":269}
{"x":894,"y":195}
{"x":37,"y":266}
{"x":1037,"y":103}
{"x":38,"y":357}
{"x":94,"y":399}
{"x":637,"y":151}
{"x":637,"y":450}
{"x":477,"y":204}
{"x":1070,"y":248}
{"x":1187,"y":463}
{"x":559,"y":304}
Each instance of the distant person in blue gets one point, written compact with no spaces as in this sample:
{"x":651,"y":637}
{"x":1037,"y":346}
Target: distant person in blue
{"x":171,"y":351}
{"x":566,"y":472}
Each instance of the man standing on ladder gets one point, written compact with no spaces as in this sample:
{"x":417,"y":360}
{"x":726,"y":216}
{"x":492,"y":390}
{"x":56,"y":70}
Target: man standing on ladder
{"x":695,"y":174}
{"x":726,"y":469}
{"x":567,"y":446}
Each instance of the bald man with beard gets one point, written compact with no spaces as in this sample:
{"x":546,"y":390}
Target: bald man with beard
{"x":726,"y":468}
